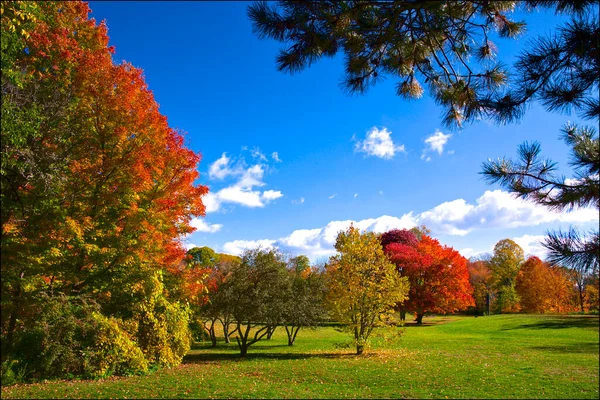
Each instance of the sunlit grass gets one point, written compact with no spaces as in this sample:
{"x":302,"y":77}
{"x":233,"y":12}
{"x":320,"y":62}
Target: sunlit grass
{"x":507,"y":356}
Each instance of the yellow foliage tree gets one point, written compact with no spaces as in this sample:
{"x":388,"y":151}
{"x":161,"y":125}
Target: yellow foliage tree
{"x":364,"y":286}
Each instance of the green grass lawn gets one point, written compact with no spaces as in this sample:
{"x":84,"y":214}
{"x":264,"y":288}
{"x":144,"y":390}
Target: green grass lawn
{"x":505,"y":356}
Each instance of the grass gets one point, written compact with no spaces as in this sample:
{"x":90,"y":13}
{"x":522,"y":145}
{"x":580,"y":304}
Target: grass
{"x":505,"y":356}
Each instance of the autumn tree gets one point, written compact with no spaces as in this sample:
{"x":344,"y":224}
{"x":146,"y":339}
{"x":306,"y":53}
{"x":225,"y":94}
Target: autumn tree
{"x":363,"y":286}
{"x":304,"y":298}
{"x":438,"y":275}
{"x":505,"y":264}
{"x":97,"y":189}
{"x":542,"y":288}
{"x":480,"y":277}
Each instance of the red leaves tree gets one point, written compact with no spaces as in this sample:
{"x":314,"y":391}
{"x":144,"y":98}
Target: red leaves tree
{"x":438,"y":275}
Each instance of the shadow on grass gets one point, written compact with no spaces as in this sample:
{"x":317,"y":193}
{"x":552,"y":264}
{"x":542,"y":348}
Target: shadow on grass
{"x":232,"y":346}
{"x":579,"y":348}
{"x":588,"y":321}
{"x":208,"y":357}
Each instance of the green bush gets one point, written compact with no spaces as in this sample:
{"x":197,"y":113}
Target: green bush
{"x":72,"y":338}
{"x":163,"y":331}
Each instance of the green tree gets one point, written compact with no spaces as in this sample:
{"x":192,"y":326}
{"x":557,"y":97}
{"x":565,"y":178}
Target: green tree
{"x":304,"y":297}
{"x":504,"y":265}
{"x":363,"y":285}
{"x":259,"y":283}
{"x":203,"y":256}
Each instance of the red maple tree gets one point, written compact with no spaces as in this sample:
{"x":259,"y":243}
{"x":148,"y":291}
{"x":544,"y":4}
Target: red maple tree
{"x":438,"y":275}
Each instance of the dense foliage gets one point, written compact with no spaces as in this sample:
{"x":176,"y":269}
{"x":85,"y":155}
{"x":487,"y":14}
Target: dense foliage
{"x":97,"y":190}
{"x":438,"y":275}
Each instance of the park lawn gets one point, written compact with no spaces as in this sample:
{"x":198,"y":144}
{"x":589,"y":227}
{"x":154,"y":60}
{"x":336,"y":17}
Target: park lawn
{"x":504,"y":356}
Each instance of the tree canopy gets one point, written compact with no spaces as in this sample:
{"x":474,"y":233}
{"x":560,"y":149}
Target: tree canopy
{"x":363,"y":286}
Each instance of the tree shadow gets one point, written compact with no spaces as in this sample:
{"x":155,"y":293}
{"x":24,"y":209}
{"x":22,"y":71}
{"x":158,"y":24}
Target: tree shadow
{"x":578,"y":348}
{"x":561,"y":322}
{"x":236,"y":357}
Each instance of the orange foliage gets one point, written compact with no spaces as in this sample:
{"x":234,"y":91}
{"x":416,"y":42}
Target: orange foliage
{"x":544,"y":289}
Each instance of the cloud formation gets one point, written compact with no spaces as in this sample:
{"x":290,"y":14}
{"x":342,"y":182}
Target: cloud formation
{"x":378,"y":143}
{"x":203,"y":226}
{"x":435,"y":143}
{"x":493,"y":210}
{"x":242,"y":191}
{"x":275,"y":157}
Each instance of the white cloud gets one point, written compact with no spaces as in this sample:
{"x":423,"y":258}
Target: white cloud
{"x":256,"y":153}
{"x":299,"y":201}
{"x":381,"y":192}
{"x":243,"y":190}
{"x":220,"y":169}
{"x":378,"y":143}
{"x":189,"y":245}
{"x":493,"y":210}
{"x":269,"y":195}
{"x":332,"y":196}
{"x":496,"y":209}
{"x":435,"y":143}
{"x":275,"y":156}
{"x":355,"y":195}
{"x":203,"y":226}
{"x":531,"y":245}
{"x":238,"y":246}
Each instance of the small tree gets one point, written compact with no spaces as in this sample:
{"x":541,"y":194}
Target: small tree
{"x":304,"y":299}
{"x":504,"y":264}
{"x":258,"y":285}
{"x":363,"y":286}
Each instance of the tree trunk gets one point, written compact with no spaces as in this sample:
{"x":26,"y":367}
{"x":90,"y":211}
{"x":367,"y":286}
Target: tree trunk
{"x":419,"y":318}
{"x":226,"y":331}
{"x":359,"y":349}
{"x":291,"y":334}
{"x":211,"y":333}
{"x":402,"y":315}
{"x":270,"y":331}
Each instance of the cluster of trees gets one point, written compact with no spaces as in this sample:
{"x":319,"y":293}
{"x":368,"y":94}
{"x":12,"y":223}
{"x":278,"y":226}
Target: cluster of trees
{"x":253,"y":294}
{"x":96,"y":192}
{"x":507,"y":282}
{"x":362,"y":287}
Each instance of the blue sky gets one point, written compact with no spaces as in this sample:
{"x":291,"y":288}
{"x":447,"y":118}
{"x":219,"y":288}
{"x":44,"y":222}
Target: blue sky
{"x":290,"y":160}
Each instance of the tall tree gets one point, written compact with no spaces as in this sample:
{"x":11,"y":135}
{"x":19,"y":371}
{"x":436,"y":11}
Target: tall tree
{"x":97,"y":189}
{"x":363,"y":286}
{"x":438,"y":275}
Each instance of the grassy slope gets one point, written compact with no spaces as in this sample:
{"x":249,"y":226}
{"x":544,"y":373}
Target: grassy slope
{"x":507,"y":356}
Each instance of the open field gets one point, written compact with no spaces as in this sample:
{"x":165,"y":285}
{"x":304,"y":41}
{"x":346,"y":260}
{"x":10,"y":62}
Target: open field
{"x":505,"y":356}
